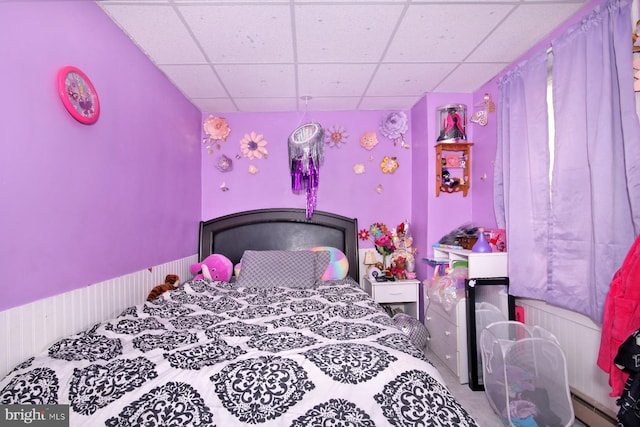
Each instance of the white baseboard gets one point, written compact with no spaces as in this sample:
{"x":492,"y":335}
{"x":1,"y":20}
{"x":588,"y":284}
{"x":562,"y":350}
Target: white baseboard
{"x":31,"y":328}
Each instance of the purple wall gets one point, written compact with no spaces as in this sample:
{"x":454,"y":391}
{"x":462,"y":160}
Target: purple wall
{"x":82,"y":204}
{"x":341,"y":190}
{"x":484,"y":150}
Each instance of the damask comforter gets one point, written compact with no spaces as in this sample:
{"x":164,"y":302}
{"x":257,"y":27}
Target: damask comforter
{"x":214,"y":354}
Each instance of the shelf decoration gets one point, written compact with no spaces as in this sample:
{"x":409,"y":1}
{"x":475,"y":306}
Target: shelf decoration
{"x":394,"y":126}
{"x":369,"y":140}
{"x":453,"y":170}
{"x":253,"y":146}
{"x":336,"y":136}
{"x":306,"y":152}
{"x":389,"y":164}
{"x":453,"y":123}
{"x":217,"y":129}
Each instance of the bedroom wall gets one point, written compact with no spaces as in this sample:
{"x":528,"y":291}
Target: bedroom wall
{"x":341,"y":190}
{"x":83,"y":204}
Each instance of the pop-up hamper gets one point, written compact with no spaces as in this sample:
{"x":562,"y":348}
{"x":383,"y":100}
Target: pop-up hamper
{"x":525,"y":375}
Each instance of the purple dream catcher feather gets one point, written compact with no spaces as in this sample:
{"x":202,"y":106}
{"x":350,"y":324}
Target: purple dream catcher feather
{"x":306,"y":151}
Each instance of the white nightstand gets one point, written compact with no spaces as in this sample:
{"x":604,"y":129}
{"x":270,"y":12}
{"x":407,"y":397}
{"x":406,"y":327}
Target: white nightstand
{"x":404,"y":292}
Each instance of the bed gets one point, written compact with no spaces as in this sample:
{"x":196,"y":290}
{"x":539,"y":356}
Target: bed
{"x":223,"y":353}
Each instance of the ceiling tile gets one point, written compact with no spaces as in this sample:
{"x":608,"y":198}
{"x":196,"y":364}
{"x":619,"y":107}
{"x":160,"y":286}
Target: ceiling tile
{"x":389,"y":102}
{"x":242,"y":34}
{"x":342,"y":103}
{"x":322,"y":31}
{"x":195,"y":81}
{"x":256,"y":81}
{"x":255,"y":105}
{"x":469,"y":77}
{"x":333,"y":80}
{"x":427,"y":34}
{"x":526,"y":26}
{"x":221,"y":105}
{"x":158,"y":31}
{"x":408,"y":79}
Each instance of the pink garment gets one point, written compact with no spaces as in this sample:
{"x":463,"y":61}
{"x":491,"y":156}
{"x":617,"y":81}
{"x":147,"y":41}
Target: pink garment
{"x":621,"y":317}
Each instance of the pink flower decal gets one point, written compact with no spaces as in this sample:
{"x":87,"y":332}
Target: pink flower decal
{"x":253,"y":146}
{"x":217,"y":128}
{"x":369,"y":140}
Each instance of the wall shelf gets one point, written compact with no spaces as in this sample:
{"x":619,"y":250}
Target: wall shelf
{"x":454,"y":158}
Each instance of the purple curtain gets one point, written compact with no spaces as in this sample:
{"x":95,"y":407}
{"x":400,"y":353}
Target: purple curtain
{"x":521,"y":178}
{"x":568,"y":236}
{"x":595,"y":203}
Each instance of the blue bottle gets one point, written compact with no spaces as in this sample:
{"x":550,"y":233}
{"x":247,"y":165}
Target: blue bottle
{"x":481,"y":245}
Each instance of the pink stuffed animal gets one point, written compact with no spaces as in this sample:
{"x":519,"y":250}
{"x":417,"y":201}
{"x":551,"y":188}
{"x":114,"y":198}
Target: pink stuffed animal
{"x":213,"y":267}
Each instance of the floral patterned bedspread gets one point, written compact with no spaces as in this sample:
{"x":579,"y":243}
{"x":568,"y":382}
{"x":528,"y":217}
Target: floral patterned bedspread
{"x":211,"y":354}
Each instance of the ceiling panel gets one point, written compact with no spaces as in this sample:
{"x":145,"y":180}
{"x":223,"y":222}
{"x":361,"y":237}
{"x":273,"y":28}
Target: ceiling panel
{"x":250,"y":55}
{"x":242,"y":33}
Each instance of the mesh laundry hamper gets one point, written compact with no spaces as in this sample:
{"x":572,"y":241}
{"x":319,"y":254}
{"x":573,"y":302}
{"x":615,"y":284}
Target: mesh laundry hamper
{"x":525,"y":375}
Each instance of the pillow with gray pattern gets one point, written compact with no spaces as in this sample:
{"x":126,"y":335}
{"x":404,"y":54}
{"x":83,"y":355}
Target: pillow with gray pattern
{"x":292,"y":269}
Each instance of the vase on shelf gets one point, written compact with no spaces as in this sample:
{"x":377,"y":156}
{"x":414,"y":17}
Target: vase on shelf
{"x":481,"y":245}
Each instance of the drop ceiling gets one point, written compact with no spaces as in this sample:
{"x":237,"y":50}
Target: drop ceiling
{"x":332,"y":55}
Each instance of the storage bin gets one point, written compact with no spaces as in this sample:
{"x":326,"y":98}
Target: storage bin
{"x":525,"y":375}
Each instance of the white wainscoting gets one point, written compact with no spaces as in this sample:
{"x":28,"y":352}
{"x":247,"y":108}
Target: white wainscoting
{"x":29,"y":329}
{"x":579,"y":338}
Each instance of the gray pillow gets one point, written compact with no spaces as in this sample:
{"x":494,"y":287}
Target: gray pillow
{"x":293,"y":269}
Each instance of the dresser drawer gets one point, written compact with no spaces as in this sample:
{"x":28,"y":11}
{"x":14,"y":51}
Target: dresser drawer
{"x":443,"y":341}
{"x":395,"y":293}
{"x":448,"y":332}
{"x":436,"y":309}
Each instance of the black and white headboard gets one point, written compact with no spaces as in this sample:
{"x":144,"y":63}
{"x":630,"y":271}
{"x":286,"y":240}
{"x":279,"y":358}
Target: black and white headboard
{"x":279,"y":229}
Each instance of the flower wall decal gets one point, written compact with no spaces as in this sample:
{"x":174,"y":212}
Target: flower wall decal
{"x":224,"y":164}
{"x":369,"y":140}
{"x":253,"y":146}
{"x":217,"y":129}
{"x":336,"y":136}
{"x":358,"y":168}
{"x":389,"y":164}
{"x":394,"y":126}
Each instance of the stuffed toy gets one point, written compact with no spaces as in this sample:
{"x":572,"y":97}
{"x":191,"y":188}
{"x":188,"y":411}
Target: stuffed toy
{"x":171,"y":281}
{"x":213,"y":267}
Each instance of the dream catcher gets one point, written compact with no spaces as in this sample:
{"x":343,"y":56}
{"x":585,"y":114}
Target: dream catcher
{"x":306,"y":151}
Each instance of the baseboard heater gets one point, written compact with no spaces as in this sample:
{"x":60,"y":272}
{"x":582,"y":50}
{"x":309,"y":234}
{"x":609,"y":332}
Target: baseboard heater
{"x":591,"y":413}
